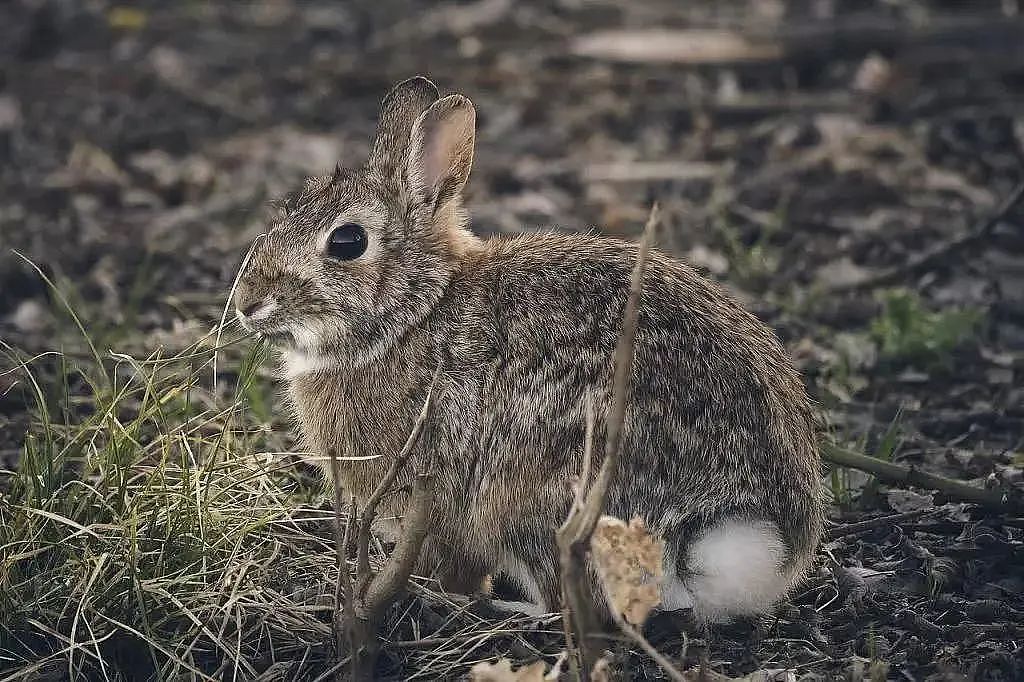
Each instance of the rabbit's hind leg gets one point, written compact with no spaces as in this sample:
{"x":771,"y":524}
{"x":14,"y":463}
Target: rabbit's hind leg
{"x":458,"y":572}
{"x":735,"y":568}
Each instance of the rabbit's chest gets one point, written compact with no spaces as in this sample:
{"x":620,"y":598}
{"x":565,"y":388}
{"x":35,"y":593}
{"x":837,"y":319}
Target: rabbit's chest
{"x":361,"y":420}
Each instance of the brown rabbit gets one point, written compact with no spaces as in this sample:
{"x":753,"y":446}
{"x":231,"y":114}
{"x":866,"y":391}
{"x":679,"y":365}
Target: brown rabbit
{"x":370,"y":279}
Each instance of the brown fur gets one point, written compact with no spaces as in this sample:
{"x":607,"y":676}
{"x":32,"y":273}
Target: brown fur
{"x":718,"y":424}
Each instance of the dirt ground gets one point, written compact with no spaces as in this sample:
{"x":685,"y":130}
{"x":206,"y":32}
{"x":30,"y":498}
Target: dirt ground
{"x":837,"y":141}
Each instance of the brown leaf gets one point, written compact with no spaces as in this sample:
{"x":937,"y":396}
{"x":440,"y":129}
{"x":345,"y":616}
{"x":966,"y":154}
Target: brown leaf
{"x":628,"y":560}
{"x":602,"y":671}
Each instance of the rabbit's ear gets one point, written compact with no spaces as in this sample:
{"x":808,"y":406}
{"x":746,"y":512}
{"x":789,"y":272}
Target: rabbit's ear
{"x":398,"y":113}
{"x":441,"y":151}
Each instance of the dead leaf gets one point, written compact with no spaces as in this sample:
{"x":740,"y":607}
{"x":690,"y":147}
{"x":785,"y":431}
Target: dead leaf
{"x":693,"y":46}
{"x":502,"y":672}
{"x":907,"y":500}
{"x":874,"y":75}
{"x":628,"y":560}
{"x":602,"y":671}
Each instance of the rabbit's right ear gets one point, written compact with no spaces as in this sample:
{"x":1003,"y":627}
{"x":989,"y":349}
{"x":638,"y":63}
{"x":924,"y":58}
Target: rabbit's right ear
{"x":398,"y":113}
{"x":441,"y":153}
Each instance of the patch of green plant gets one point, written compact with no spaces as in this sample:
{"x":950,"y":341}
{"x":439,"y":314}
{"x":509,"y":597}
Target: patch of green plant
{"x":751,"y":265}
{"x":907,"y":331}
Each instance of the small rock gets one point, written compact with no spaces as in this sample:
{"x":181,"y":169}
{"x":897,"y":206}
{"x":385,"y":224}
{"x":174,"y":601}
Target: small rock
{"x":841,"y":271}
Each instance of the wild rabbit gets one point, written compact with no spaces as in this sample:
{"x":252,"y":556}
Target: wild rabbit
{"x":369,"y":280}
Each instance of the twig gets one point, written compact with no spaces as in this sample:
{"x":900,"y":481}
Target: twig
{"x":370,"y":508}
{"x":930,"y":258}
{"x":848,"y":529}
{"x":393,"y":576}
{"x":638,"y":637}
{"x":372,"y":594}
{"x":594,"y":504}
{"x":346,"y":584}
{"x":996,"y":499}
{"x":343,"y":586}
{"x":574,"y":535}
{"x":577,"y":506}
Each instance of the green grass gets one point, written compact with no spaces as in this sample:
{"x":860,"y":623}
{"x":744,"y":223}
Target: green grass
{"x":152,"y":529}
{"x":841,"y":484}
{"x":906,"y":331}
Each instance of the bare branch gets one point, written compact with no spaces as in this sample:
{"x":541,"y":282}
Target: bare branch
{"x":997,"y":499}
{"x":660,"y":659}
{"x":620,"y":383}
{"x":370,"y":595}
{"x":588,"y":453}
{"x":370,"y":509}
{"x":393,"y":577}
{"x":574,"y":535}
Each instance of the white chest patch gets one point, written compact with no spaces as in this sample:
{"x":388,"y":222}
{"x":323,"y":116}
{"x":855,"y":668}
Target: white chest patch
{"x":295,"y":363}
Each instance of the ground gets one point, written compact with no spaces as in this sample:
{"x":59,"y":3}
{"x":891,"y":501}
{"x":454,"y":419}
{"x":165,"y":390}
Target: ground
{"x":803,"y":153}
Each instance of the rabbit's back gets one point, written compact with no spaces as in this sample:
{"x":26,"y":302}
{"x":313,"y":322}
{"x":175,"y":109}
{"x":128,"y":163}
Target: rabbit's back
{"x":718,"y":422}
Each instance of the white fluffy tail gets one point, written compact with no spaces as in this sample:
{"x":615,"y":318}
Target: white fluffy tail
{"x":733,"y":569}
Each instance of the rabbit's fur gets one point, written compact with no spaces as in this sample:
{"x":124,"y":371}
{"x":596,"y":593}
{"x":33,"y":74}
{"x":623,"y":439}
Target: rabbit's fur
{"x":718,"y":454}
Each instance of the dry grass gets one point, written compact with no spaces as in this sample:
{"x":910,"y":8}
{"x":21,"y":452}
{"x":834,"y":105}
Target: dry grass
{"x":154,"y":528}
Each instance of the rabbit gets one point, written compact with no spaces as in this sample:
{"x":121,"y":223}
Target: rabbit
{"x":369,"y":279}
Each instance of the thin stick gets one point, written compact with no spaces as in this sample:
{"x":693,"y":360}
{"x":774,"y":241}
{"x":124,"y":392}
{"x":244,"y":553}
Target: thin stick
{"x":649,"y":649}
{"x":395,"y":573}
{"x":370,"y":509}
{"x":848,"y":529}
{"x":930,"y":258}
{"x":344,"y":584}
{"x":588,"y":452}
{"x":575,"y":533}
{"x":999,"y":500}
{"x":620,"y":383}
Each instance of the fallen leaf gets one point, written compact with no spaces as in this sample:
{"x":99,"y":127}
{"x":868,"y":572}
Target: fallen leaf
{"x":602,"y":671}
{"x":908,"y":500}
{"x":628,"y":560}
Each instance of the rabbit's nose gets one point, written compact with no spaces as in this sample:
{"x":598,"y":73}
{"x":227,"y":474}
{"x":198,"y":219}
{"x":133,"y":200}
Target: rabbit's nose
{"x":247,"y":300}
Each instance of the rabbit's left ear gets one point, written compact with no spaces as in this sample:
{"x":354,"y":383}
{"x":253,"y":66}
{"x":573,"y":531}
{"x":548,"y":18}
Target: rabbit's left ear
{"x":441,"y":152}
{"x":398,"y":113}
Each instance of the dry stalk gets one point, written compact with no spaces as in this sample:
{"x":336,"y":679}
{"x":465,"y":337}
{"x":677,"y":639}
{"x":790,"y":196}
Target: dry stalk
{"x":1000,"y":500}
{"x":343,"y":588}
{"x":370,"y":508}
{"x":361,"y":604}
{"x":574,"y":535}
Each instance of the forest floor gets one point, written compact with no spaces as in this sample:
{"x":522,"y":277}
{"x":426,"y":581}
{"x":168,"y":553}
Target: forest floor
{"x":807,"y":153}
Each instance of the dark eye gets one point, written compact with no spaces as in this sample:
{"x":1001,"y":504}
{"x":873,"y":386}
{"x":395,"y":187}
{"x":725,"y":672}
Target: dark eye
{"x":347,"y":242}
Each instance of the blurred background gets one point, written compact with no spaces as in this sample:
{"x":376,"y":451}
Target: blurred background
{"x":843,"y":166}
{"x":798,"y":147}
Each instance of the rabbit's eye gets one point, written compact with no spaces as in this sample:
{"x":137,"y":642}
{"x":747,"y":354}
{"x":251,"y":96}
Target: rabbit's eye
{"x":347,"y":242}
